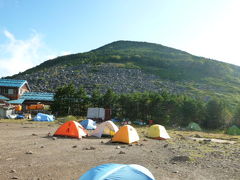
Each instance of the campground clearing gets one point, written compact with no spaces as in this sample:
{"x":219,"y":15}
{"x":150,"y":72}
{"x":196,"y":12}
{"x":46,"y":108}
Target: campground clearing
{"x":29,"y":152}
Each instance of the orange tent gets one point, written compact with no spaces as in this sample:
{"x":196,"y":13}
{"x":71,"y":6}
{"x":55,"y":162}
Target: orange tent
{"x":71,"y":129}
{"x":126,"y":134}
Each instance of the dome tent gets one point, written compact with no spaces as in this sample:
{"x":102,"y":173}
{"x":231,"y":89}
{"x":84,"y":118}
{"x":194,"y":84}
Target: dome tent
{"x":126,"y":134}
{"x":193,"y":127}
{"x":118,"y":172}
{"x":158,"y":132}
{"x":71,"y":129}
{"x":105,"y":128}
{"x":88,"y":124}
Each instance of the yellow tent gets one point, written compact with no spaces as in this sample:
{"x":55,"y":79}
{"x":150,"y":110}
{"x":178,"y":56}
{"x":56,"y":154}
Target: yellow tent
{"x":158,"y":132}
{"x":126,"y":134}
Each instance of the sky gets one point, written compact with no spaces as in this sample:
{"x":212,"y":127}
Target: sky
{"x":32,"y":32}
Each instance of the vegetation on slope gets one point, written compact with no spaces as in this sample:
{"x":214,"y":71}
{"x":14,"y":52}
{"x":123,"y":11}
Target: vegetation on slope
{"x":167,"y":62}
{"x":197,"y":75}
{"x":164,"y":108}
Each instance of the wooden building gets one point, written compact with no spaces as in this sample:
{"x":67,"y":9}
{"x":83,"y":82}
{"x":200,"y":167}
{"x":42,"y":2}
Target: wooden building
{"x":17,"y":92}
{"x":13,"y":89}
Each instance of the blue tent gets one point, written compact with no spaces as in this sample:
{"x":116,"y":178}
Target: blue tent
{"x":20,"y":116}
{"x":43,"y":117}
{"x":88,"y":124}
{"x":118,"y":172}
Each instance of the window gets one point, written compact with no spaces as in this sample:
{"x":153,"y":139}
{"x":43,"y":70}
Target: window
{"x":5,"y":91}
{"x":10,"y":91}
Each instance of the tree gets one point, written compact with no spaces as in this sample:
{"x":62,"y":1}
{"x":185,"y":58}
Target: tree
{"x":109,"y":99}
{"x":82,"y":102}
{"x":215,"y":116}
{"x":236,"y":116}
{"x":96,"y":98}
{"x":63,"y":100}
{"x":191,"y":110}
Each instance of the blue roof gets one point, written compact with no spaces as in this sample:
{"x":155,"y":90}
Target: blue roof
{"x":18,"y":101}
{"x":38,"y":96}
{"x":3,"y":98}
{"x":12,"y":82}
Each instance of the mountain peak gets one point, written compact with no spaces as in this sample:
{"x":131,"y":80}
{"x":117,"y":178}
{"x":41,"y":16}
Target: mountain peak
{"x":128,"y":66}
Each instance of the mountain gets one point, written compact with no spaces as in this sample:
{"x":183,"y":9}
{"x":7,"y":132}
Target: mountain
{"x":128,"y":66}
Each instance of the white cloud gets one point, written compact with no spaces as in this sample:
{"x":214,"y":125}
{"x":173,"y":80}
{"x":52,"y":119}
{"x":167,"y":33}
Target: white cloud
{"x":9,"y":35}
{"x":19,"y":55}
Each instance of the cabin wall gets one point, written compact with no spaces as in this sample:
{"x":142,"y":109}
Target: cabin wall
{"x":13,"y":93}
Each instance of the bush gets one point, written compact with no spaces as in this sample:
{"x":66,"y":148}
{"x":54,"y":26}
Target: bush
{"x":67,"y":118}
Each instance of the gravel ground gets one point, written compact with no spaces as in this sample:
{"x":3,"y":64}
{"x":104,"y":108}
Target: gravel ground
{"x":28,"y":153}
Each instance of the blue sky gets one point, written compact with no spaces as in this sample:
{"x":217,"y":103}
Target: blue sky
{"x":33,"y":31}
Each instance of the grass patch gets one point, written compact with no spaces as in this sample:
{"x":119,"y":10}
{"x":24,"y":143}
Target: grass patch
{"x":25,"y":121}
{"x":69,"y":118}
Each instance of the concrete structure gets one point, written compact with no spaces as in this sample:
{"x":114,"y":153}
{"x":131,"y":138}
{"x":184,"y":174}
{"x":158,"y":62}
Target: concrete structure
{"x":6,"y":109}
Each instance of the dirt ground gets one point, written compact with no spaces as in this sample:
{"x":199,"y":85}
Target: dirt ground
{"x":28,"y":153}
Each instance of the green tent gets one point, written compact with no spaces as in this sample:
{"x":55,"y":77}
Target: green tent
{"x":233,"y":130}
{"x":193,"y":127}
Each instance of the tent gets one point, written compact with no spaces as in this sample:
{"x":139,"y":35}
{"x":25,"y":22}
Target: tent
{"x":126,"y":134}
{"x":21,"y":116}
{"x":233,"y":130}
{"x":105,"y":128}
{"x":43,"y":117}
{"x":71,"y":129}
{"x":118,"y":172}
{"x":158,"y":132}
{"x":88,"y":124}
{"x":194,"y":127}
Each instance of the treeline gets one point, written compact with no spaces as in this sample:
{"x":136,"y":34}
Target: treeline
{"x":163,"y":108}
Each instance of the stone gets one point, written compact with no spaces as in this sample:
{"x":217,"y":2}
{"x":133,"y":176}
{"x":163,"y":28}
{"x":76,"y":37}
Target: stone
{"x":29,"y":152}
{"x":207,"y":141}
{"x":118,"y":147}
{"x":165,"y":145}
{"x":54,"y":138}
{"x":92,"y":148}
{"x":121,"y":152}
{"x":15,"y":177}
{"x":75,"y":146}
{"x":12,"y":171}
